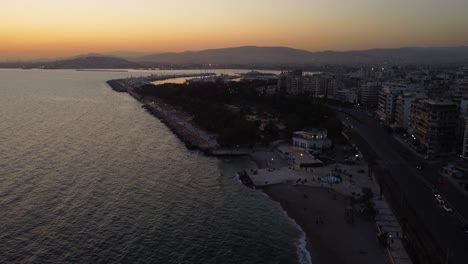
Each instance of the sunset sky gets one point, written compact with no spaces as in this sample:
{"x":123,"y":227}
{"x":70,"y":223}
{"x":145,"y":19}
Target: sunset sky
{"x":55,"y":28}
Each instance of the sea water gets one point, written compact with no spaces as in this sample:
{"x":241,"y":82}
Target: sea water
{"x":87,"y":176}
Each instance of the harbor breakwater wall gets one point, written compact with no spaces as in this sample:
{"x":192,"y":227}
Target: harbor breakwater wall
{"x":191,"y":139}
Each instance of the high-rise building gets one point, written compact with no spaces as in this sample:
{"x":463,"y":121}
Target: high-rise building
{"x":386,"y":107}
{"x":291,"y":82}
{"x":309,"y":82}
{"x":316,"y":85}
{"x":282,"y":83}
{"x":461,"y":87}
{"x":333,"y":86}
{"x":321,"y":86}
{"x":434,"y":123}
{"x":369,"y":94}
{"x":403,"y":108}
{"x":465,"y":140}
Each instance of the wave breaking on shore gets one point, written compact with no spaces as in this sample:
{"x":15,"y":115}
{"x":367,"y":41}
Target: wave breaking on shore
{"x":302,"y":252}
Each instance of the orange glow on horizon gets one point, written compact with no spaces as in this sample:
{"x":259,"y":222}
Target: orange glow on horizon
{"x":52,"y":28}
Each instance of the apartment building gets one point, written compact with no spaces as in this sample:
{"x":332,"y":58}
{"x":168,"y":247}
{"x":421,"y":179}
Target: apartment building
{"x":403,"y":108}
{"x":369,"y":94}
{"x":386,"y":107}
{"x":434,"y":124}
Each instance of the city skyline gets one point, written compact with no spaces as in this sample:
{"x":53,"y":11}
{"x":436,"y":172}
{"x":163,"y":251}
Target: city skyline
{"x":52,"y":28}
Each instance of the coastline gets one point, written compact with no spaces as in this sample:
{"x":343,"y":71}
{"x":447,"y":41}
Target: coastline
{"x":181,"y":125}
{"x":333,"y":241}
{"x":329,"y":238}
{"x":194,"y":137}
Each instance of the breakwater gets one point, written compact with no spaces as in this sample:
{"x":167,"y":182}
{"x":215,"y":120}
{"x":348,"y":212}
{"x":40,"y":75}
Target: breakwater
{"x":152,"y":78}
{"x":101,"y":70}
{"x":179,"y":122}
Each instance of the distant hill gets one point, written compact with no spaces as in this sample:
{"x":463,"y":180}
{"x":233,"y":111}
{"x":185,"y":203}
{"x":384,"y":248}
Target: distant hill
{"x":125,"y":54}
{"x":93,"y":62}
{"x":251,"y":55}
{"x":234,"y":56}
{"x":405,"y":55}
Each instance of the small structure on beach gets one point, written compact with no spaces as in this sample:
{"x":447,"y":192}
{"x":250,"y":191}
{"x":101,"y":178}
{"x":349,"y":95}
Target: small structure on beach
{"x":330,"y":178}
{"x":312,"y":141}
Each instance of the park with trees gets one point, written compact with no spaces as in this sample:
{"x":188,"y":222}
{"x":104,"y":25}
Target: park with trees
{"x":207,"y":102}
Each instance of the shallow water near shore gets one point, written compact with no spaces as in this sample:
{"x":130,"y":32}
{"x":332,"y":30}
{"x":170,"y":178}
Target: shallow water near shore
{"x":88,"y":176}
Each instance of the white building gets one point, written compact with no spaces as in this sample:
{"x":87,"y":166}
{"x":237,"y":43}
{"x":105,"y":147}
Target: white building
{"x":403,"y":108}
{"x":386,"y":108}
{"x":314,"y":140}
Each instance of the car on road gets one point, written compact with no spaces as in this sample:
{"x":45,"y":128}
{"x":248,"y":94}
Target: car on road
{"x":420,"y":167}
{"x":447,"y":208}
{"x":436,"y":194}
{"x":465,"y":229}
{"x":440,"y":200}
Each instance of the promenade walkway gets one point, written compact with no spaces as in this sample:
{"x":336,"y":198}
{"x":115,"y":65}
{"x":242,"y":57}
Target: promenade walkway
{"x":350,"y":186}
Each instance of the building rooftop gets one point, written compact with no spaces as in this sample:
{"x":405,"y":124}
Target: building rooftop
{"x":311,"y":134}
{"x":438,"y":102}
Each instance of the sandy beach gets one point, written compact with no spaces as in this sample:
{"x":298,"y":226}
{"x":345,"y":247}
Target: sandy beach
{"x":319,"y":211}
{"x":330,"y":238}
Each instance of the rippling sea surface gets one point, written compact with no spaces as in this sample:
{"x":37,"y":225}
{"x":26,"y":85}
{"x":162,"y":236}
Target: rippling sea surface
{"x":87,"y":176}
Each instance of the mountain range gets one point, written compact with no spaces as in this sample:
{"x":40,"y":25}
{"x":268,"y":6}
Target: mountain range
{"x":92,"y":62}
{"x":234,"y":56}
{"x":250,"y":56}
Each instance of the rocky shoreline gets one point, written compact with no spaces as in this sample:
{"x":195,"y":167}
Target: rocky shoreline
{"x":194,"y":137}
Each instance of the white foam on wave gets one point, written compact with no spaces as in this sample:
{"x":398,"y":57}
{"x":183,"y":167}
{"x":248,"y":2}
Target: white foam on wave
{"x":302,"y":252}
{"x":301,"y":246}
{"x":238,"y":179}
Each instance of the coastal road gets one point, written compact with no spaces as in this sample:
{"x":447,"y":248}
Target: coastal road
{"x":445,"y":228}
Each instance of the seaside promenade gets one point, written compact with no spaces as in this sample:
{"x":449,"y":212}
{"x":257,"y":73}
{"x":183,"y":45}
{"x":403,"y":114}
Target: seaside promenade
{"x":282,"y":178}
{"x":276,"y":170}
